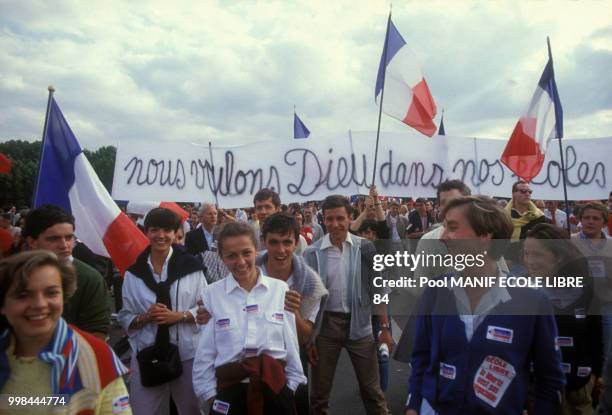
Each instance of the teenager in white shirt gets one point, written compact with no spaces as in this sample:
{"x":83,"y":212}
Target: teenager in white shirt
{"x":145,"y":312}
{"x":248,"y":357}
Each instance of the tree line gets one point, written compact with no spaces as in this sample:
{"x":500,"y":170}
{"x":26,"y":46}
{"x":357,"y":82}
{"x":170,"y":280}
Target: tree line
{"x":17,"y":187}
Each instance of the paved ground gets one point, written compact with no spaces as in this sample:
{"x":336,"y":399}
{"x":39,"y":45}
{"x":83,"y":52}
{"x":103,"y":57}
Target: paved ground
{"x":345,"y":392}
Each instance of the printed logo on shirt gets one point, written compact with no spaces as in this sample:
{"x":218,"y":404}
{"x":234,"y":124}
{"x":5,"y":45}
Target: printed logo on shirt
{"x":563,"y":341}
{"x":566,"y":368}
{"x":220,"y":406}
{"x":120,"y":404}
{"x":500,"y":334}
{"x":492,"y":380}
{"x":448,"y":371}
{"x":583,"y":371}
{"x":278,"y":317}
{"x":580,"y":313}
{"x":253,"y":308}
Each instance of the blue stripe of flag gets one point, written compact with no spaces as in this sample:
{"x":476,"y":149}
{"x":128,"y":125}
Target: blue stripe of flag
{"x":392,"y":46}
{"x":56,"y":171}
{"x":548,"y":84}
{"x":299,"y":129}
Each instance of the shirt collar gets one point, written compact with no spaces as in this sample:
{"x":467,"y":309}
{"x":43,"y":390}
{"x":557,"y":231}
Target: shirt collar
{"x":491,"y":299}
{"x":231,"y":284}
{"x":327,"y":241}
{"x":165,"y":262}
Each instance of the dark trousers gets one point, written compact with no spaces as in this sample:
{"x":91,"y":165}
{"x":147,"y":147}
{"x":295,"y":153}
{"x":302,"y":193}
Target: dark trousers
{"x":333,"y":337}
{"x":302,"y":398}
{"x":236,"y":397}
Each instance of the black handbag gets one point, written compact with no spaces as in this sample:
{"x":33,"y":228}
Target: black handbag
{"x":160,"y":363}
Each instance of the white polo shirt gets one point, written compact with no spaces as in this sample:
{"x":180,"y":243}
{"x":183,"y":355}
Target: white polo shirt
{"x":245,"y":324}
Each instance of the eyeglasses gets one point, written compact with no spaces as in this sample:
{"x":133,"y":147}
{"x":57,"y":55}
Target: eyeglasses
{"x":525,"y":191}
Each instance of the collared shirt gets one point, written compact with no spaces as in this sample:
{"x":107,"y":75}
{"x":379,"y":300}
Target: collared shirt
{"x":560,"y":217}
{"x":210,"y":239}
{"x":244,"y":324}
{"x":593,"y":245}
{"x":137,"y":298}
{"x":489,"y":300}
{"x":338,"y":269}
{"x":394,"y":234}
{"x":424,"y":222}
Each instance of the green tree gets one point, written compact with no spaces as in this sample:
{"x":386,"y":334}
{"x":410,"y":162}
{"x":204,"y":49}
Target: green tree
{"x":103,"y":162}
{"x":18,"y":187}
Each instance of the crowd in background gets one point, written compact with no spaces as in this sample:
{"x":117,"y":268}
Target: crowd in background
{"x":251,"y":307}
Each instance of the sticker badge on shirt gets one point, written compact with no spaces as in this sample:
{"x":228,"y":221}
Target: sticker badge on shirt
{"x":563,"y":341}
{"x":120,"y":404}
{"x":566,"y":368}
{"x":583,"y":371}
{"x":580,"y":313}
{"x":221,"y":407}
{"x":448,"y":371}
{"x":597,"y":268}
{"x":253,"y":308}
{"x":492,"y":379}
{"x":251,"y":351}
{"x":500,"y":334}
{"x":223,"y":323}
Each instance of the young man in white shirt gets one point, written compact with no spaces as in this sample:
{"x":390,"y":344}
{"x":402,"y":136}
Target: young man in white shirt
{"x":306,"y":291}
{"x":344,"y":262}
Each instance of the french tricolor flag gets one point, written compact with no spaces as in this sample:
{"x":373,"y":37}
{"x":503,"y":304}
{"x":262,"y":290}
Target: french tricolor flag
{"x":66,"y":179}
{"x":524,"y":153}
{"x":406,"y":94}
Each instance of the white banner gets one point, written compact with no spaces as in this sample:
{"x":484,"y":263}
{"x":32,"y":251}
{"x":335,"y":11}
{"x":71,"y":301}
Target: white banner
{"x":313,"y":168}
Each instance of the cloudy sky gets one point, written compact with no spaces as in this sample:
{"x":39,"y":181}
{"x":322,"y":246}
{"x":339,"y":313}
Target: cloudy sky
{"x":200,"y":70}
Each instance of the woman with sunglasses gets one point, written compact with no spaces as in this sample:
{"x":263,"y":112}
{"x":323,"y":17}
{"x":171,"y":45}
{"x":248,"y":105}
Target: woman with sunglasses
{"x":474,"y":343}
{"x":42,"y":356}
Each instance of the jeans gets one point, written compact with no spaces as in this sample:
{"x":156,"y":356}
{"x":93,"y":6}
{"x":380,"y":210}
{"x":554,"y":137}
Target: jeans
{"x":383,"y":363}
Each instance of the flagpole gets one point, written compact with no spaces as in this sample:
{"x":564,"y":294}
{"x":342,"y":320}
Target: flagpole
{"x":212,"y":167}
{"x":51,"y":90}
{"x":563,"y":172}
{"x":382,"y":95}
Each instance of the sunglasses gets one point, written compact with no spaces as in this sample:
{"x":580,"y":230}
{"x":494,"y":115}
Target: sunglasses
{"x":525,"y":191}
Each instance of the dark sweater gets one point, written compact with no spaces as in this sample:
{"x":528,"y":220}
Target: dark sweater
{"x":580,"y":340}
{"x":446,"y":366}
{"x":89,"y":307}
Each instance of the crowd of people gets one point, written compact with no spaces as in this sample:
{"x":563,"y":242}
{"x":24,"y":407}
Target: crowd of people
{"x":246,"y":311}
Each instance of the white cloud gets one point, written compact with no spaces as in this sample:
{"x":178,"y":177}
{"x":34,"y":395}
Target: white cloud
{"x":215,"y":70}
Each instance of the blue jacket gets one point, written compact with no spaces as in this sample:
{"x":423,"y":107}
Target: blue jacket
{"x":447,"y":370}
